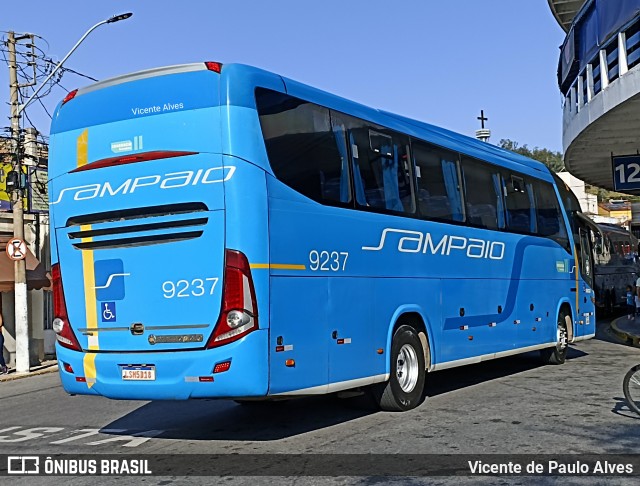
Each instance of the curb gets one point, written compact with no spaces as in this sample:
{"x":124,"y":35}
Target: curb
{"x":41,"y":371}
{"x":629,"y":337}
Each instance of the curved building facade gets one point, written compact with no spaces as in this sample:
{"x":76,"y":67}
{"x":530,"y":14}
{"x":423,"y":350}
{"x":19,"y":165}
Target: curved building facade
{"x":599,"y":77}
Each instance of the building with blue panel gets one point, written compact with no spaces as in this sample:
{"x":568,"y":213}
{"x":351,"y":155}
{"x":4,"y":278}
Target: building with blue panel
{"x":599,"y":77}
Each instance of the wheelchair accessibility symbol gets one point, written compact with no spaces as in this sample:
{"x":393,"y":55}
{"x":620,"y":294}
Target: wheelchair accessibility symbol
{"x":108,"y":311}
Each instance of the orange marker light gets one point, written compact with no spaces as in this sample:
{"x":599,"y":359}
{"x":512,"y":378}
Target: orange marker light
{"x":290,"y":363}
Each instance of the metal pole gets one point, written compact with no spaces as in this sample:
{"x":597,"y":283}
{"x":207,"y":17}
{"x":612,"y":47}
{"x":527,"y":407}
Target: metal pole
{"x":113,"y":19}
{"x":20,"y":291}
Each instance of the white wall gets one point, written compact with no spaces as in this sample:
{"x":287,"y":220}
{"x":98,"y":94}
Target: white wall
{"x":588,"y":202}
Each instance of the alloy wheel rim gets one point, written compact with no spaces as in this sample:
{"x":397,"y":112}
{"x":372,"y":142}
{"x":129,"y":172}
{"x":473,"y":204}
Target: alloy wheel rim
{"x":407,"y":369}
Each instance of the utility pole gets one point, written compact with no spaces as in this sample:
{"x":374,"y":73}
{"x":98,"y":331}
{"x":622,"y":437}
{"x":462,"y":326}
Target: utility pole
{"x":20,"y":291}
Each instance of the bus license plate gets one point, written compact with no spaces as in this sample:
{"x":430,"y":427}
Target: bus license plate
{"x":139,"y":373}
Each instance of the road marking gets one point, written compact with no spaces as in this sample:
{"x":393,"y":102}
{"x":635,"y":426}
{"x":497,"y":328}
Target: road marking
{"x":130,"y":439}
{"x":29,"y":434}
{"x":89,"y":433}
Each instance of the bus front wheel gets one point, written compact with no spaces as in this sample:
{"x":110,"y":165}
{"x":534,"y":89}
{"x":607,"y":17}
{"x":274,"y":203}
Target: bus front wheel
{"x":558,"y":353}
{"x":404,"y":389}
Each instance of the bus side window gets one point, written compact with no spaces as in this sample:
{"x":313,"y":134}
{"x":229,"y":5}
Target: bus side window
{"x":438,"y":187}
{"x":381,"y":166}
{"x":549,"y":216}
{"x":304,"y":151}
{"x":520,"y":204}
{"x":483,"y":194}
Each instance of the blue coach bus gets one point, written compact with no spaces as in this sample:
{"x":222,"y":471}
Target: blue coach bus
{"x":222,"y":231}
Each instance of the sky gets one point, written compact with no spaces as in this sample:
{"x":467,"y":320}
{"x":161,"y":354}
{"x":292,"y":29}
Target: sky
{"x":438,"y":61}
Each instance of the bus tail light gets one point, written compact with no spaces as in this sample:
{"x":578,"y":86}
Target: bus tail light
{"x":239,"y":314}
{"x":61,"y":325}
{"x":132,"y":159}
{"x":70,"y":96}
{"x":216,"y":67}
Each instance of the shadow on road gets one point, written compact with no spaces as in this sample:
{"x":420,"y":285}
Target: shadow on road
{"x":449,"y":380}
{"x":268,"y":421}
{"x":621,"y":408}
{"x":227,"y":420}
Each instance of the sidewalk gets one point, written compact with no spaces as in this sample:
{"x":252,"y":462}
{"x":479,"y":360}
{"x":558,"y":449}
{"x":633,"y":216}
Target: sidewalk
{"x":50,"y":366}
{"x":627,"y":329}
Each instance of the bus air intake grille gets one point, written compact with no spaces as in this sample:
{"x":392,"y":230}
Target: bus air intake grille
{"x":137,"y":213}
{"x":126,"y":228}
{"x":139,"y":227}
{"x":137,"y":241}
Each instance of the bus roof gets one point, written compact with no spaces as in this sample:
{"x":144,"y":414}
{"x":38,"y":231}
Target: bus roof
{"x":419,"y":129}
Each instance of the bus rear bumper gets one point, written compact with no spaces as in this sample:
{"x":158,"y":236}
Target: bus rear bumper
{"x":179,"y":375}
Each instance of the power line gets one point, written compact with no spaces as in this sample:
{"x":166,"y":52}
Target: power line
{"x":31,"y":56}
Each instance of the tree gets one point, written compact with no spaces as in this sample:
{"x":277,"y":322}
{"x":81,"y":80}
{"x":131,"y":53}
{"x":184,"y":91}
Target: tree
{"x":551,"y":159}
{"x":554,"y":161}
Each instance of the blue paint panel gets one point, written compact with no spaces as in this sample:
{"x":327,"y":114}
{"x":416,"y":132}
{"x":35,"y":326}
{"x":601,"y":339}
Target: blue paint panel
{"x":245,"y":378}
{"x":172,"y":284}
{"x":538,"y":325}
{"x":352,"y":353}
{"x":160,"y":182}
{"x":110,"y":278}
{"x":298,"y":318}
{"x":139,"y":99}
{"x":193,"y":131}
{"x":246,"y":213}
{"x":473,"y":334}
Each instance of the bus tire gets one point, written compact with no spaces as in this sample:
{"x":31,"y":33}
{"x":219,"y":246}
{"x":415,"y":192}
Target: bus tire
{"x":404,"y":389}
{"x":558,"y":354}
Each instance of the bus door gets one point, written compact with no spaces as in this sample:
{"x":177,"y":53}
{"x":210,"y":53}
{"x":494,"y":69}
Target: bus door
{"x":585,"y":307}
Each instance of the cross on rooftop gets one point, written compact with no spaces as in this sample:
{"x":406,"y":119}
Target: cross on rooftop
{"x":482,"y":118}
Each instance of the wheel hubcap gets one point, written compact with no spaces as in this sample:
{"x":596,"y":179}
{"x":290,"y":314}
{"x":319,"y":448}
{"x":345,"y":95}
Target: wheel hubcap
{"x":562,"y":337}
{"x":407,"y":368}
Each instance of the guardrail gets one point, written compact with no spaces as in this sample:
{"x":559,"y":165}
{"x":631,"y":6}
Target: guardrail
{"x":615,"y":59}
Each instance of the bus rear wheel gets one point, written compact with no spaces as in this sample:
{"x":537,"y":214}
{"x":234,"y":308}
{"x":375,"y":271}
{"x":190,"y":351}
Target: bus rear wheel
{"x":558,"y":354}
{"x":405,"y":387}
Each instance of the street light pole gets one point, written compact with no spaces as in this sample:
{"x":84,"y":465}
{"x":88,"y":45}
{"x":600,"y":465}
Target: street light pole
{"x":115,"y":18}
{"x":21,"y":312}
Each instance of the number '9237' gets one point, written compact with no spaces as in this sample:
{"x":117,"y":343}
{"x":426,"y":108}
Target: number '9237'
{"x":197,"y":287}
{"x":328,"y":261}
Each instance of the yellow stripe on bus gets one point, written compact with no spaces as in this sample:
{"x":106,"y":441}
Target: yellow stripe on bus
{"x":89,"y":365}
{"x":83,"y":149}
{"x":91,"y":313}
{"x":277,"y":266}
{"x":88,"y":272}
{"x":575,"y":252}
